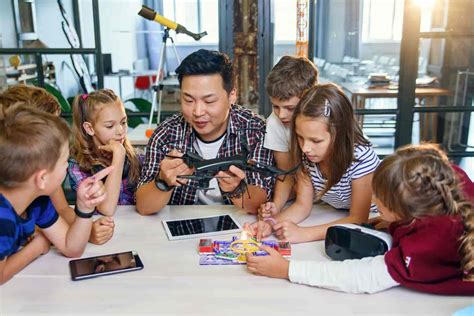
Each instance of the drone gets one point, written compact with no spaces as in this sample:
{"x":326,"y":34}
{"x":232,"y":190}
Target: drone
{"x":206,"y":169}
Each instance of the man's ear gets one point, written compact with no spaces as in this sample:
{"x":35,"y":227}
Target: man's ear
{"x":233,"y":96}
{"x":40,"y":179}
{"x":88,"y":128}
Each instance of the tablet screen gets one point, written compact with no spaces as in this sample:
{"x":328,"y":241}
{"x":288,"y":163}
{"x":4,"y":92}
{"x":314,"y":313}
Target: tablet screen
{"x":179,"y":229}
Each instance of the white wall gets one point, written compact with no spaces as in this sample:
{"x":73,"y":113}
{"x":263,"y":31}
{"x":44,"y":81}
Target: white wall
{"x":115,"y":16}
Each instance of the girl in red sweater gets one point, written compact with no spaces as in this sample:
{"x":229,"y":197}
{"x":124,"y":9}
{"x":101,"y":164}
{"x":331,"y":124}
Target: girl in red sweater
{"x":431,"y":223}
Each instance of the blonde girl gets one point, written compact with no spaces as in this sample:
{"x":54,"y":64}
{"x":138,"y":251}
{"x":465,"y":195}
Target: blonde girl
{"x":431,"y":223}
{"x":100,"y":140}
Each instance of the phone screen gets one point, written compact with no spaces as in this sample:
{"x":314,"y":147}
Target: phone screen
{"x":103,"y":265}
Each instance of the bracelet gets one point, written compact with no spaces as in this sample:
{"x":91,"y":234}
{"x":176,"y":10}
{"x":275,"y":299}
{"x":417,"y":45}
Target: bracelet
{"x":82,"y":214}
{"x":237,"y":192}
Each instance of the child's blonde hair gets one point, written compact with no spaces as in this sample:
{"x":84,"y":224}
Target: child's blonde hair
{"x":328,"y":102}
{"x":36,"y":97}
{"x":30,"y":140}
{"x":418,"y":181}
{"x":85,"y":109}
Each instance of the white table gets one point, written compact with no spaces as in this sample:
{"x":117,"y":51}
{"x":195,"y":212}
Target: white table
{"x":173,"y":282}
{"x":137,"y":136}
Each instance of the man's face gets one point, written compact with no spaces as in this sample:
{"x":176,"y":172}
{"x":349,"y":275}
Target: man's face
{"x":206,"y":104}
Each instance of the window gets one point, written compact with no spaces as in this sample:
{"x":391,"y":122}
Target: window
{"x":382,"y":20}
{"x":197,"y":16}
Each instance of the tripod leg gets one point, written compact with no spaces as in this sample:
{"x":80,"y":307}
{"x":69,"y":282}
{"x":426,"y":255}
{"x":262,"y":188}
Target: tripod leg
{"x":156,"y":84}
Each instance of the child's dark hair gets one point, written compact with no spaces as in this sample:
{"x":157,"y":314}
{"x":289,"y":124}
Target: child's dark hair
{"x":291,"y":77}
{"x":30,"y":140}
{"x":85,"y":109}
{"x":418,"y":181}
{"x":327,"y":102}
{"x":207,"y":62}
{"x":33,"y":96}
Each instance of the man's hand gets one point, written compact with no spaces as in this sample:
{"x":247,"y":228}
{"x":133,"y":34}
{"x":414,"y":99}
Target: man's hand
{"x":273,"y":265}
{"x":170,"y":168}
{"x":230,"y":179}
{"x":102,"y":230}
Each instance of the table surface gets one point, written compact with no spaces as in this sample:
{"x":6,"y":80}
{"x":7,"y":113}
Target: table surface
{"x":173,"y":282}
{"x":380,"y":92}
{"x":137,"y":136}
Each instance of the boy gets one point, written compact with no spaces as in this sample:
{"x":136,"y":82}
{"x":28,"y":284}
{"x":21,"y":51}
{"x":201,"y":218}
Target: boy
{"x":39,"y":98}
{"x":34,"y":150}
{"x":285,"y":85}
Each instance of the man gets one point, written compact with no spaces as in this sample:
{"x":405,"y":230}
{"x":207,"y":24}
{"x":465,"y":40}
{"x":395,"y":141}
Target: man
{"x":211,"y":125}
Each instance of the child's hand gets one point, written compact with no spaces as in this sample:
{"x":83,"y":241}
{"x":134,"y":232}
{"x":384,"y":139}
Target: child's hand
{"x":267,"y":209}
{"x":113,"y":149}
{"x":229,"y":180}
{"x":170,"y":168}
{"x":379,"y":223}
{"x":290,"y":232}
{"x":41,"y":242}
{"x":102,"y":230}
{"x":273,"y":265}
{"x":91,"y":191}
{"x":259,"y":229}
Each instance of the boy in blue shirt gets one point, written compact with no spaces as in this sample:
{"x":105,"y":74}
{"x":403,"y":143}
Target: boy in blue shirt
{"x":34,"y":149}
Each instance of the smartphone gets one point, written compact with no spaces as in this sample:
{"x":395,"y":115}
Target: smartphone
{"x":92,"y":267}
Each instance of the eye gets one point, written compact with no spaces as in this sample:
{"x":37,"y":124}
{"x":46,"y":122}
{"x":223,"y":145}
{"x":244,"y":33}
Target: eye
{"x":109,"y":126}
{"x":124,"y":123}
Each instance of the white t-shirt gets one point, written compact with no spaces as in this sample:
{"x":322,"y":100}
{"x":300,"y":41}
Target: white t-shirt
{"x":277,"y":137}
{"x":209,"y":151}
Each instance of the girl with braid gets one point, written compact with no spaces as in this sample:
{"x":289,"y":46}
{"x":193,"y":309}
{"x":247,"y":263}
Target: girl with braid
{"x":432,"y":225}
{"x":100,"y":140}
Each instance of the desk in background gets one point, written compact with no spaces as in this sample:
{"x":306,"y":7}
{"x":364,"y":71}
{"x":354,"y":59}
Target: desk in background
{"x":428,"y":96}
{"x":137,"y":136}
{"x":173,"y":282}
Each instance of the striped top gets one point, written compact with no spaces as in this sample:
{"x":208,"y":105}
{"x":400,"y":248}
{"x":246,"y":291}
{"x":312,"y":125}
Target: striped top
{"x":16,"y":231}
{"x":339,"y":196}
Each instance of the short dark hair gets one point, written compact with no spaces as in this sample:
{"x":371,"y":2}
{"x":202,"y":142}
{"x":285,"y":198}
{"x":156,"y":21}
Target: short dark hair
{"x":207,"y":62}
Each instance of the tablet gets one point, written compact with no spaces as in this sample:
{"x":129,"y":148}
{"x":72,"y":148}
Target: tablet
{"x":104,"y":265}
{"x":201,"y":226}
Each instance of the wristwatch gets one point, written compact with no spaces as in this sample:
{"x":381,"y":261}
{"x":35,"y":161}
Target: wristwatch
{"x":81,"y":214}
{"x":162,"y":185}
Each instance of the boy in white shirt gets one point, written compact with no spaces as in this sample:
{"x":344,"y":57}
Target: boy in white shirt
{"x":285,"y":85}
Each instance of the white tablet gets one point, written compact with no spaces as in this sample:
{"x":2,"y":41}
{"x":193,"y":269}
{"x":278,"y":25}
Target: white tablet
{"x":201,"y":226}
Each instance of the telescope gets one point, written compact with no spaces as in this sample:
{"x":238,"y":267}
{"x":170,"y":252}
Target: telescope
{"x":152,"y":15}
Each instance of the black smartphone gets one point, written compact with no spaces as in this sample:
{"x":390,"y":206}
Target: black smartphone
{"x":92,"y":267}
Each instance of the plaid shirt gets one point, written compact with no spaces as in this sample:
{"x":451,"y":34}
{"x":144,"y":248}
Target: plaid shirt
{"x":175,"y":132}
{"x":127,"y":190}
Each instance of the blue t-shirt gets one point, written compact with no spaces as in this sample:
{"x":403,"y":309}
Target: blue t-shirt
{"x":15,"y":231}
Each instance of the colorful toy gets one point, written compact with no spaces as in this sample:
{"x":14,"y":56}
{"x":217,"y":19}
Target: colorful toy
{"x":233,"y":252}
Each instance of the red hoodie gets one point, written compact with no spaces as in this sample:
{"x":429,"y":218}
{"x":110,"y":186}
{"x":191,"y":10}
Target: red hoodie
{"x":424,"y":256}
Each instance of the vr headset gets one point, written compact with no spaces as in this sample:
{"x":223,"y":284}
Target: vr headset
{"x":350,"y":241}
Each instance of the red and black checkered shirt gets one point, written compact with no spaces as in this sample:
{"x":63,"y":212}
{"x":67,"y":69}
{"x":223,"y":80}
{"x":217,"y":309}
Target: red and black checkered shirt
{"x":175,"y":132}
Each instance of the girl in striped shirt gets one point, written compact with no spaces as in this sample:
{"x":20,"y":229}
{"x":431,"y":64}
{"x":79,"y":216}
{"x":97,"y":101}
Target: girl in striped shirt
{"x":337,"y":166}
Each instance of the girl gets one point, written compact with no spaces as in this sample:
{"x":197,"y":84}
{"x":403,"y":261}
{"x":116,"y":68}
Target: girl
{"x":432,"y":226}
{"x":338,"y":163}
{"x":100,"y":140}
{"x":103,"y":227}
